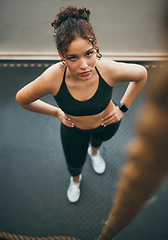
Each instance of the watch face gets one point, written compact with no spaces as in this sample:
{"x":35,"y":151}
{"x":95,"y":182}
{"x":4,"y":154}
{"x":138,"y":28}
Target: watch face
{"x":123,"y":108}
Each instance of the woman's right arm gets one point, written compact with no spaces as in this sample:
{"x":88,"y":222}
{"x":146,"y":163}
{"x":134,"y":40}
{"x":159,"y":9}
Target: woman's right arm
{"x":29,"y":96}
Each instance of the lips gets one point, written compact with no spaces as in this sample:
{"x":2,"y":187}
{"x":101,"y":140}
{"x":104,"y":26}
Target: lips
{"x":84,"y":73}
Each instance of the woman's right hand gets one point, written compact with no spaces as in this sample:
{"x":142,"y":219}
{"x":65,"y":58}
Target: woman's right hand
{"x":63,"y":118}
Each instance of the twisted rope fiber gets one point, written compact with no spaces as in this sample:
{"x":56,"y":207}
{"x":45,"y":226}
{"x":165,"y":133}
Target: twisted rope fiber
{"x":9,"y":236}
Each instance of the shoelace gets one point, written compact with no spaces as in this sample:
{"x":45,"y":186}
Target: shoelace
{"x":74,"y":189}
{"x":97,"y":160}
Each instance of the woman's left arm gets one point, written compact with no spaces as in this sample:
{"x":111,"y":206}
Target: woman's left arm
{"x":136,"y":75}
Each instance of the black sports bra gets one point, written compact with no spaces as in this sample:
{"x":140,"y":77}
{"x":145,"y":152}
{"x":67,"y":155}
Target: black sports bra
{"x":94,"y":105}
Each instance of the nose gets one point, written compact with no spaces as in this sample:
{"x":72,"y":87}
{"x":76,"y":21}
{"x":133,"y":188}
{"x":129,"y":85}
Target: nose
{"x":83,"y":64}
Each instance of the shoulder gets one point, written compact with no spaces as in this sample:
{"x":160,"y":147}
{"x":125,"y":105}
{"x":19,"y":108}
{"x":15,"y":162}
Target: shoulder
{"x":106,"y":65}
{"x":53,"y":76}
{"x":46,"y":83}
{"x":120,"y":71}
{"x":107,"y":69}
{"x":53,"y":71}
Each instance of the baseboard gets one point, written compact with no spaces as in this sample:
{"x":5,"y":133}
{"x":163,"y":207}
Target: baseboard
{"x":110,"y":55}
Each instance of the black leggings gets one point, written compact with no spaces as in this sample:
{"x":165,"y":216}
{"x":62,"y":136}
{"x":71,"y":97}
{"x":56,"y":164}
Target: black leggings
{"x":75,"y":143}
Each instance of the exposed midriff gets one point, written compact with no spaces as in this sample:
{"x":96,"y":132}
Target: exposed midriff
{"x":93,"y":121}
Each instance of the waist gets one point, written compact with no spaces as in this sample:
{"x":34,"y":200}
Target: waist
{"x":93,"y":121}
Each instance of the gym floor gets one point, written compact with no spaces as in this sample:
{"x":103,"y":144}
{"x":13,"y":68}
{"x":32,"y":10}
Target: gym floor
{"x":34,"y":178}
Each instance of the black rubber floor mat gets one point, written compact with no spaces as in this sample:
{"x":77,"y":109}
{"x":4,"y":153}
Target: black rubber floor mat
{"x":34,"y":178}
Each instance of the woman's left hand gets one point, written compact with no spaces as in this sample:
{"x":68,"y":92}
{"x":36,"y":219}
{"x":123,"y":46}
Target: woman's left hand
{"x":114,"y":116}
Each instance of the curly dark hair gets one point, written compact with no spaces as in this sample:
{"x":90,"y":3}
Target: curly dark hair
{"x":72,"y":22}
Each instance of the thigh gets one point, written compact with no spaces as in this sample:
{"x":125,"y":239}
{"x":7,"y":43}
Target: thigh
{"x":75,"y":145}
{"x":105,"y":133}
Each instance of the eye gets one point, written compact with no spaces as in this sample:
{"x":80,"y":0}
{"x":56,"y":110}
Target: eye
{"x":73,"y":58}
{"x":89,"y":54}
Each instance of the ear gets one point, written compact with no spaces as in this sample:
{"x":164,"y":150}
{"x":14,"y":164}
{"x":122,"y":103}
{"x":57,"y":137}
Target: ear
{"x":61,"y":56}
{"x":96,"y":44}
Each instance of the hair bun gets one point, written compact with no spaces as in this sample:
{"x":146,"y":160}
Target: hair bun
{"x":70,"y":12}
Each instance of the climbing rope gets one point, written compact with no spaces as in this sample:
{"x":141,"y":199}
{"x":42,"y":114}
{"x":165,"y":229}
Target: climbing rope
{"x":9,"y":236}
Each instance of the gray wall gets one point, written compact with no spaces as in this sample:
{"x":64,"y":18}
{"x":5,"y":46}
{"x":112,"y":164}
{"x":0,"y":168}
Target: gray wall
{"x":121,"y":26}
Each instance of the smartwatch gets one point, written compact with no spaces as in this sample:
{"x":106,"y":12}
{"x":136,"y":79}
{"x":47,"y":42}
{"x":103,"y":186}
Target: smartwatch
{"x":122,"y":107}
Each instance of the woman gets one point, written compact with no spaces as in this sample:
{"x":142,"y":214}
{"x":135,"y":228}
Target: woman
{"x":82,"y":86}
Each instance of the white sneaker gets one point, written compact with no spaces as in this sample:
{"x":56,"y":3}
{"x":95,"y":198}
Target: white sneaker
{"x":98,"y":162}
{"x":73,"y":192}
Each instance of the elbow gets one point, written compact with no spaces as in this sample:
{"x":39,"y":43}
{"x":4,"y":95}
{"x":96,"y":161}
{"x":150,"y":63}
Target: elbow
{"x":144,"y":75}
{"x":17,"y":98}
{"x":22,"y":100}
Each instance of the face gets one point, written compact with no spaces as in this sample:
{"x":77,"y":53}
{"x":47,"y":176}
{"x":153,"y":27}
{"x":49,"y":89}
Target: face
{"x":81,"y":58}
